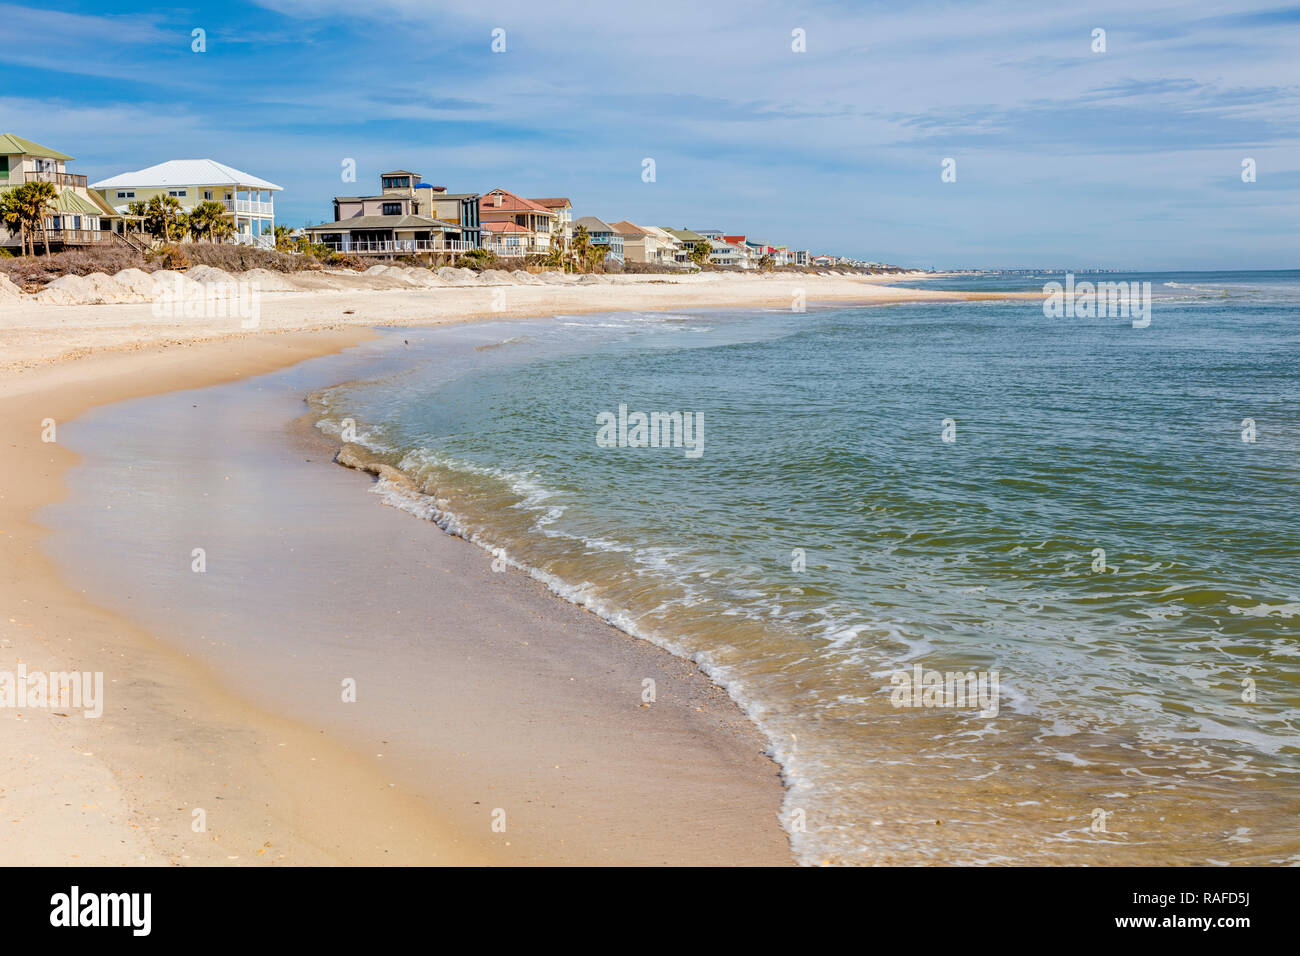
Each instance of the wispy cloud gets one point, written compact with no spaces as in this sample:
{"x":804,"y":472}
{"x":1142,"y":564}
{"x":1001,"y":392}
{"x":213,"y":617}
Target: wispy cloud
{"x":1129,"y":157}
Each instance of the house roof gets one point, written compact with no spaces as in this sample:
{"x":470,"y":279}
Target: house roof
{"x":505,"y":227}
{"x":685,"y":235}
{"x":399,"y":172}
{"x":185,"y":172}
{"x":662,"y":234}
{"x":553,"y":202}
{"x":594,"y":225}
{"x":513,"y":203}
{"x":384,"y":222}
{"x":69,"y":201}
{"x":11,"y":145}
{"x":627,"y":228}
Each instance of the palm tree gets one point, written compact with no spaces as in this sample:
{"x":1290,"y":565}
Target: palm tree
{"x":38,"y":201}
{"x":557,"y":255}
{"x":700,"y":252}
{"x":284,"y":238}
{"x":13,"y":217}
{"x":581,"y":245}
{"x":162,"y":213}
{"x":205,"y":217}
{"x":222,"y":229}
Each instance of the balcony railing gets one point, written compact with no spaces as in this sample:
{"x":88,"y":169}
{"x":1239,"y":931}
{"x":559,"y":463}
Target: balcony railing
{"x":247,"y":239}
{"x":249,"y":207}
{"x":50,"y":176}
{"x":509,"y":249}
{"x":390,"y":246}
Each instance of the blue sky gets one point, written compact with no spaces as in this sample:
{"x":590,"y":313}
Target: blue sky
{"x":1064,"y":156}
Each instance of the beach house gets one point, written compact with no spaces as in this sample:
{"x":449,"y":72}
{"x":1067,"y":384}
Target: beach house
{"x":515,"y":226}
{"x":562,"y":225}
{"x":602,"y":233}
{"x":249,"y":200}
{"x":648,"y":244}
{"x":689,"y":240}
{"x":78,"y":216}
{"x":406,"y":216}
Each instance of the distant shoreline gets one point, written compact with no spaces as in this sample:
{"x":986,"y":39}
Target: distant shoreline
{"x":36,"y":333}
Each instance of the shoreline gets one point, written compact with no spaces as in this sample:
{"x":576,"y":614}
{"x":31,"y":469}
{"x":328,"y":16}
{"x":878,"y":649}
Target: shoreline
{"x":121,"y":790}
{"x":133,"y":776}
{"x":34,"y":333}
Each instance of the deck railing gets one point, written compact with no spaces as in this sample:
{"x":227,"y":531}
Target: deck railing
{"x":250,"y":207}
{"x":390,"y":246}
{"x":50,"y":176}
{"x":508,"y":250}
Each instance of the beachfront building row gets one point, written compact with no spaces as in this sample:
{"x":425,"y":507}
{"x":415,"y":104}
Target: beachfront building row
{"x":78,"y":216}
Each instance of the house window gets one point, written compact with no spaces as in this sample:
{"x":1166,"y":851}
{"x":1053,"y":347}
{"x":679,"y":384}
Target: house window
{"x":392,"y":209}
{"x":126,"y":194}
{"x":179,"y":193}
{"x":396,"y":182}
{"x":207,"y":194}
{"x":4,"y":167}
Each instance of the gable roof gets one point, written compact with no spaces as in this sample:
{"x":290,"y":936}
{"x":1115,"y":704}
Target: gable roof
{"x":68,"y":200}
{"x":184,"y":172}
{"x":661,"y":234}
{"x":11,"y":145}
{"x":627,"y":228}
{"x":685,"y":235}
{"x":553,"y":202}
{"x":594,"y":225}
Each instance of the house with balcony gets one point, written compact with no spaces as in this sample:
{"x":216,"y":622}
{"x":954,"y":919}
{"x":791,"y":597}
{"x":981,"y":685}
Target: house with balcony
{"x":742,"y":254}
{"x":689,"y":240}
{"x":603,"y":234}
{"x":515,"y":226}
{"x":562,"y":224}
{"x":79,"y":216}
{"x":406,"y":216}
{"x":249,"y":199}
{"x":648,"y":244}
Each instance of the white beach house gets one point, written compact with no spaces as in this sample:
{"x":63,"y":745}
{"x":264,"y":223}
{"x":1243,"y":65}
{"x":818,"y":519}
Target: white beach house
{"x":249,"y":200}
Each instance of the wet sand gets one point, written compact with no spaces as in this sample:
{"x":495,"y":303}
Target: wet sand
{"x":478,"y":691}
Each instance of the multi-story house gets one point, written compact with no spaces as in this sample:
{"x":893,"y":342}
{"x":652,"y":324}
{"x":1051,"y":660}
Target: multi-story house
{"x":407,"y":216}
{"x":743,"y":257}
{"x":689,"y":240}
{"x":79,"y":216}
{"x":515,"y":226}
{"x":648,"y":244}
{"x":562,"y":225}
{"x":249,"y":199}
{"x":602,"y":233}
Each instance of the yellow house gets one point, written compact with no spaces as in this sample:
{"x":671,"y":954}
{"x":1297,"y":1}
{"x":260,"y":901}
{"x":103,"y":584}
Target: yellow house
{"x":249,"y":200}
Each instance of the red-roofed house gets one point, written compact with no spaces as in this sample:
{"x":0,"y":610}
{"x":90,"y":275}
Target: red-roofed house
{"x":515,"y":226}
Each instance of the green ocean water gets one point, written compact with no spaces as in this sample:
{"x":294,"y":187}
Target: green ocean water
{"x":828,"y":537}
